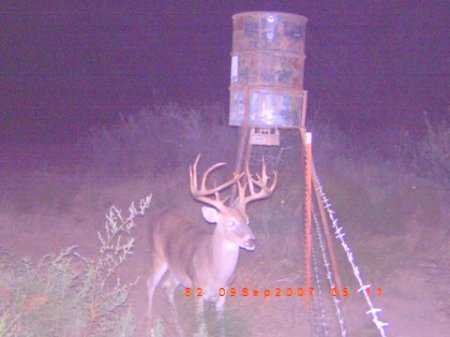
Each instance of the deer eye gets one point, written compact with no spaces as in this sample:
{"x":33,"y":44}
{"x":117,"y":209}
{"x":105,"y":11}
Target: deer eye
{"x":231,"y":223}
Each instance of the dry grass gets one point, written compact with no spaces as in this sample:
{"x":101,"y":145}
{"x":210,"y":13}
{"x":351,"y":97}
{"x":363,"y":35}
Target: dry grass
{"x":395,"y":221}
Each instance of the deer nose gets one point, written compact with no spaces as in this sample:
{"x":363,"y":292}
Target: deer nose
{"x":250,"y":243}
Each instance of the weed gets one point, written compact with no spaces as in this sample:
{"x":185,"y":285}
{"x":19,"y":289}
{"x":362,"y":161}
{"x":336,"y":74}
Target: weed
{"x":67,"y":294}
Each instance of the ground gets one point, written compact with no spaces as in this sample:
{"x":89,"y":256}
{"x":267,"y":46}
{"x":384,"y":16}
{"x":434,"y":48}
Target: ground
{"x":396,"y":225}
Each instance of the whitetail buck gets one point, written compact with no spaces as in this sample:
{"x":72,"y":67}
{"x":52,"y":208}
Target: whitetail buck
{"x":195,"y":257}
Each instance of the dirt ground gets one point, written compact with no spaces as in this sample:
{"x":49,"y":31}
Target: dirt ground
{"x":398,"y":230}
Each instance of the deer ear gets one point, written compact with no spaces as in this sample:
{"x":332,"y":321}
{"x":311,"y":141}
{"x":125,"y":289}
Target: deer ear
{"x":210,"y":214}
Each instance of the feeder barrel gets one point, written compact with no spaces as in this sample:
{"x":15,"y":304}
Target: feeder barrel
{"x":267,"y":70}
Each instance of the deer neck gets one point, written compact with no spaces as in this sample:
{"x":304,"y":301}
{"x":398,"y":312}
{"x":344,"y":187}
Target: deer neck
{"x":225,"y":255}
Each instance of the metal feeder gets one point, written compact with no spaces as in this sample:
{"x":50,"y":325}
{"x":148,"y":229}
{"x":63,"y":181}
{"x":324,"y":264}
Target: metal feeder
{"x":267,"y":70}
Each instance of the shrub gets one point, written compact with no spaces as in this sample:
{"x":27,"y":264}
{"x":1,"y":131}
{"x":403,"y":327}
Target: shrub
{"x":67,"y":294}
{"x":430,"y":155}
{"x":156,"y":140}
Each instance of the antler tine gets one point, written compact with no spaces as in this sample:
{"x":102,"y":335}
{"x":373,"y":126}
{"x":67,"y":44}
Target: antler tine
{"x":193,"y":174}
{"x":194,"y":180}
{"x":260,"y":181}
{"x":205,"y":176}
{"x":251,"y":187}
{"x":203,"y":193}
{"x":241,"y":193}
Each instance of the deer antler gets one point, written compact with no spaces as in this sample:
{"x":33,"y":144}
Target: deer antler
{"x":261,"y":181}
{"x":203,"y":193}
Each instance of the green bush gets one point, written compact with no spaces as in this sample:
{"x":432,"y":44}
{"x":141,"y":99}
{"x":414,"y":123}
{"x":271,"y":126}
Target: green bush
{"x":69,"y":295}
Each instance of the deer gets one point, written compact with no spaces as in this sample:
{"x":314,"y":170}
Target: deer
{"x":186,"y":253}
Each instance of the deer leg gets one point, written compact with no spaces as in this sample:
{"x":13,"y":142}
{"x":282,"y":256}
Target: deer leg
{"x":202,"y":328}
{"x":220,"y":311}
{"x":156,"y":273}
{"x":200,"y":310}
{"x":169,"y":286}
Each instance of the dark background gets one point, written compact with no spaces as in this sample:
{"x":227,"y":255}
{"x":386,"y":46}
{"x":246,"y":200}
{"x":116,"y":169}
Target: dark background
{"x":66,"y":66}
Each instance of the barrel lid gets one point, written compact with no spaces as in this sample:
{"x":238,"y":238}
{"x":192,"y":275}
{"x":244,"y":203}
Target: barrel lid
{"x":270,"y":13}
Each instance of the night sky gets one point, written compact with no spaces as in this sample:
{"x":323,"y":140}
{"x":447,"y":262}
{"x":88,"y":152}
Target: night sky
{"x":67,"y":65}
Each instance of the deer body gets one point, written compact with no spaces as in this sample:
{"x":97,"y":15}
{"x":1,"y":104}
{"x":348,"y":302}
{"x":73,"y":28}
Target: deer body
{"x":187,"y":252}
{"x":208,"y":265}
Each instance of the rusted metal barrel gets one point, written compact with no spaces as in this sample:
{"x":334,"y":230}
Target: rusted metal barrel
{"x":267,"y":68}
